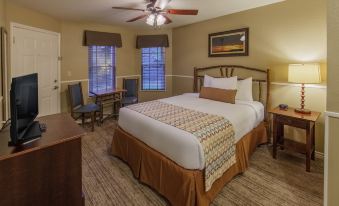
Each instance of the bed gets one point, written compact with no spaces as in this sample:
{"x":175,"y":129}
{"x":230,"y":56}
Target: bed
{"x":171,"y":160}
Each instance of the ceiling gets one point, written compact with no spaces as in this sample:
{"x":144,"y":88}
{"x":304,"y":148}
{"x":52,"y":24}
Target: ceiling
{"x":100,"y":11}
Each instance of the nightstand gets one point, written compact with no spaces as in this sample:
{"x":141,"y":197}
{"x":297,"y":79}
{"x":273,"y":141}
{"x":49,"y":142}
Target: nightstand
{"x":291,"y":118}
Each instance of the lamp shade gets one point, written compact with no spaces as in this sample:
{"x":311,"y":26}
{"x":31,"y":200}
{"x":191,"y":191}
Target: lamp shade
{"x":304,"y":73}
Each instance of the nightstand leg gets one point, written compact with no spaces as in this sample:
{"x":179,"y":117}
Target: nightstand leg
{"x":308,"y":148}
{"x":275,"y":136}
{"x":313,"y":142}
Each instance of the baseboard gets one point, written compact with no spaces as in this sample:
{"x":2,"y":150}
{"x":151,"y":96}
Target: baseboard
{"x":319,"y":155}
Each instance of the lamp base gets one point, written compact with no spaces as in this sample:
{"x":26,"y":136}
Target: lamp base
{"x":303,"y":111}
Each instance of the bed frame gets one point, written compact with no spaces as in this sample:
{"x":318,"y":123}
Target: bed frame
{"x":182,"y":186}
{"x":261,"y":79}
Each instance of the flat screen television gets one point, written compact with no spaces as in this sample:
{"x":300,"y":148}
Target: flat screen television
{"x":24,"y":109}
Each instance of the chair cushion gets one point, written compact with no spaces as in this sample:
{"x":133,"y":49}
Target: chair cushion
{"x":129,"y":100}
{"x":88,"y":108}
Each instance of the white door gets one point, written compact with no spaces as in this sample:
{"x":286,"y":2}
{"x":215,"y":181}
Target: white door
{"x":37,"y":51}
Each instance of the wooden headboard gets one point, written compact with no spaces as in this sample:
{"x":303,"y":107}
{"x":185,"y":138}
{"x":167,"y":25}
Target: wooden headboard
{"x":261,"y":79}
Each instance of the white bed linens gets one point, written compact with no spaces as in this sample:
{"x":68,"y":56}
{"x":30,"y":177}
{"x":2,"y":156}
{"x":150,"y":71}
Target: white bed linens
{"x":183,"y":147}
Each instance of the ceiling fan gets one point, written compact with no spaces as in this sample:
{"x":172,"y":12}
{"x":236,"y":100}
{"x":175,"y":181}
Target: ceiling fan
{"x":157,"y":14}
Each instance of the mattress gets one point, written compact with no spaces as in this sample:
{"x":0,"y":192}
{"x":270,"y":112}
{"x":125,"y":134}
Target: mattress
{"x":180,"y":146}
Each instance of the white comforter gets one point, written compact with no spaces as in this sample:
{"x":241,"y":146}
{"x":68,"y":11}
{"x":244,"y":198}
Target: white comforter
{"x":183,"y":147}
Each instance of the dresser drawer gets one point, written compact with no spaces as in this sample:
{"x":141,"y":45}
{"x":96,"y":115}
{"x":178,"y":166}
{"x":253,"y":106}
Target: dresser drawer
{"x":292,"y":121}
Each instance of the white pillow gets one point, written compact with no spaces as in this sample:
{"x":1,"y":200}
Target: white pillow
{"x":225,"y":83}
{"x":207,"y":81}
{"x":244,"y":88}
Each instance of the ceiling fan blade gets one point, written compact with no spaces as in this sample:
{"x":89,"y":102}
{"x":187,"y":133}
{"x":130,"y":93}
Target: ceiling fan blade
{"x":182,"y":11}
{"x":161,"y":4}
{"x":137,"y":18}
{"x":124,"y":8}
{"x":168,"y":20}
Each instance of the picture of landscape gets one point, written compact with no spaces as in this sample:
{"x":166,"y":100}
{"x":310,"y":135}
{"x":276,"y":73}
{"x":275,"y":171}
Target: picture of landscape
{"x":230,"y":43}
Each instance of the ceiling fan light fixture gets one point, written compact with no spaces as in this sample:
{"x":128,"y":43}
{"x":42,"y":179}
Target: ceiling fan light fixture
{"x":160,"y":20}
{"x":155,"y":20}
{"x":150,"y":20}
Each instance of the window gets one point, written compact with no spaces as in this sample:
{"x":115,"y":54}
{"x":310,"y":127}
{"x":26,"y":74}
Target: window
{"x":153,"y":68}
{"x":101,"y":68}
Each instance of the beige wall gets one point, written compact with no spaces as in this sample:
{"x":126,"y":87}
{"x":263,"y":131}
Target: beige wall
{"x":279,"y":34}
{"x":333,"y":101}
{"x":21,"y":15}
{"x":2,"y":24}
{"x":149,"y":95}
{"x":292,"y":31}
{"x":75,"y":56}
{"x":74,"y":65}
{"x":128,"y":60}
{"x":29,"y":17}
{"x":2,"y":13}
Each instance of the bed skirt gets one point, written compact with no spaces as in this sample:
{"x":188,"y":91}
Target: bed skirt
{"x":179,"y":185}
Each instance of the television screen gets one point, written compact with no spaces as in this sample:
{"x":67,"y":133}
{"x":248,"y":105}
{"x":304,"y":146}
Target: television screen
{"x":24,"y":105}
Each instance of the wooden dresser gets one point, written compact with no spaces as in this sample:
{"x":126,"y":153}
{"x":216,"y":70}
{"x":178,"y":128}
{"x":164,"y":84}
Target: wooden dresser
{"x":46,"y":171}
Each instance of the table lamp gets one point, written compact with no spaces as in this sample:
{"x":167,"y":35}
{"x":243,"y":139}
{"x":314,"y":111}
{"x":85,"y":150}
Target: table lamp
{"x":304,"y":74}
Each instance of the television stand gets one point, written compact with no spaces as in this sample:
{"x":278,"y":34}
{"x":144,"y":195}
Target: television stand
{"x":46,"y":171}
{"x":33,"y":132}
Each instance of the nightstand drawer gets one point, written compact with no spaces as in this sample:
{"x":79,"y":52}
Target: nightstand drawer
{"x":292,"y":121}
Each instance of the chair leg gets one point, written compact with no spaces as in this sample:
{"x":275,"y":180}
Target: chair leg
{"x":83,"y":119}
{"x":101,"y":114}
{"x":92,"y":120}
{"x":97,"y":121}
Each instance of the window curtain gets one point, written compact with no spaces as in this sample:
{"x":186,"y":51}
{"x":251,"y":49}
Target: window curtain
{"x":148,"y":41}
{"x":95,"y":38}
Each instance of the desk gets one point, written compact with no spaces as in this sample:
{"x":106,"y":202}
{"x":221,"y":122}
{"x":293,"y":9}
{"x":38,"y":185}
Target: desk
{"x":291,"y":118}
{"x":46,"y":171}
{"x":109,"y":98}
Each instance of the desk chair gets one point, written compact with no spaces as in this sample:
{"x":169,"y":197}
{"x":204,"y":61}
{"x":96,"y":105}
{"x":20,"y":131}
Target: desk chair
{"x":78,"y":108}
{"x":131,"y":96}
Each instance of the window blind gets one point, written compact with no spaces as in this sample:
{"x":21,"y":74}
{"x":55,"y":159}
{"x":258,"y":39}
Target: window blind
{"x":101,"y":68}
{"x":153,"y":68}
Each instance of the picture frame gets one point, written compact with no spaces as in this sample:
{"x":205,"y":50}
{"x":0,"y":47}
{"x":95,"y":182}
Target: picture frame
{"x":229,"y":43}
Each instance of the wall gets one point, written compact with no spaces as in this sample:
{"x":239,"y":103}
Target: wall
{"x":2,"y":13}
{"x":29,"y":17}
{"x":2,"y":24}
{"x":75,"y":56}
{"x":150,"y":95}
{"x":74,"y":65}
{"x":333,"y":101}
{"x":287,"y":32}
{"x":128,"y":60}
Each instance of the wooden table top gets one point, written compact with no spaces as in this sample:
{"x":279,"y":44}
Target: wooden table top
{"x":108,"y":92}
{"x":60,"y":128}
{"x":291,"y":113}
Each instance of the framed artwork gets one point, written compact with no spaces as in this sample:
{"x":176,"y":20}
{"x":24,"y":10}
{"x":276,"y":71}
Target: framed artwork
{"x":228,"y":43}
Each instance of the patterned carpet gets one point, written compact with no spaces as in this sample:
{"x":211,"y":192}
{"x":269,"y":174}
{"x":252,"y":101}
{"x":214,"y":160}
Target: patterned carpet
{"x":109,"y":181}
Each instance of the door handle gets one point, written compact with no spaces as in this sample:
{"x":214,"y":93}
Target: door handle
{"x":56,"y":87}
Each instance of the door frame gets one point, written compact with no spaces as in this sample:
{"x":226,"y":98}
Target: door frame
{"x":35,"y":29}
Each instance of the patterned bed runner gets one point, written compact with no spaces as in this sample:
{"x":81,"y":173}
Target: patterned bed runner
{"x":215,"y":133}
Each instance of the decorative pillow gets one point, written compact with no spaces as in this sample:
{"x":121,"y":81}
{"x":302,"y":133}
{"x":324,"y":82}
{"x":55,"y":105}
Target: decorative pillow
{"x":216,"y":94}
{"x":225,"y":83}
{"x":207,"y":81}
{"x":244,"y":88}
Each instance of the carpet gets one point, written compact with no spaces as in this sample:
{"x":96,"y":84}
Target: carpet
{"x":109,"y":181}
